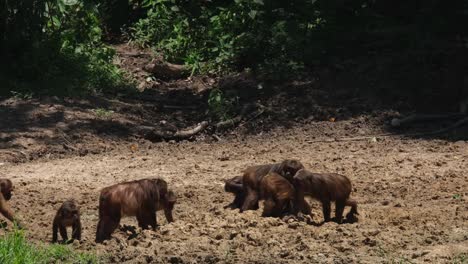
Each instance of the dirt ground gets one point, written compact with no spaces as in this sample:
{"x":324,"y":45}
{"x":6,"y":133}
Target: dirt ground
{"x":412,"y":196}
{"x":412,"y":193}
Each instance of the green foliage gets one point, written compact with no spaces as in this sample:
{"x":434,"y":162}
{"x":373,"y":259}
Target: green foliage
{"x":287,"y":35}
{"x":220,"y":106}
{"x":103,"y":113}
{"x":14,"y":248}
{"x":54,"y":47}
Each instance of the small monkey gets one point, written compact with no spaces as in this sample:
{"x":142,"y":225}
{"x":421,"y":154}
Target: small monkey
{"x":67,"y":215}
{"x":6,"y":188}
{"x":325,"y":187}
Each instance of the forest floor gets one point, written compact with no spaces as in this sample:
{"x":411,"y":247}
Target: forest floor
{"x":412,"y":192}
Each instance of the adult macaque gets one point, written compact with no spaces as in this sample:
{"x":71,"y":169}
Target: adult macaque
{"x":67,"y":215}
{"x":6,"y":187}
{"x":140,"y":198}
{"x":235,"y":186}
{"x":253,"y":176}
{"x":278,"y":194}
{"x":325,"y":187}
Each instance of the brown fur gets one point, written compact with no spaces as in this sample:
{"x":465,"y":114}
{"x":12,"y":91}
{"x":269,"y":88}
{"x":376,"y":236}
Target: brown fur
{"x":140,"y":198}
{"x":67,"y":215}
{"x":325,"y":187}
{"x":278,"y":194}
{"x":6,"y":187}
{"x":253,"y":176}
{"x":235,"y":186}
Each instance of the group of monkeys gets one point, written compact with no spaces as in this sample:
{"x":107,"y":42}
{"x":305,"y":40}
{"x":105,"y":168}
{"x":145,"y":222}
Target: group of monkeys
{"x":283,"y":186}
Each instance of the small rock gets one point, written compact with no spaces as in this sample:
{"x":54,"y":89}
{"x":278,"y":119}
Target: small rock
{"x":293,"y":225}
{"x":369,"y":242}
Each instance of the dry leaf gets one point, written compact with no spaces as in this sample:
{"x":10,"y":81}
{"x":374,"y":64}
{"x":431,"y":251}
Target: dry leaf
{"x":134,"y":147}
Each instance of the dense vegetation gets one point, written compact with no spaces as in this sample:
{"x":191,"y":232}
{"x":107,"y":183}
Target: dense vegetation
{"x":56,"y":46}
{"x":53,"y":47}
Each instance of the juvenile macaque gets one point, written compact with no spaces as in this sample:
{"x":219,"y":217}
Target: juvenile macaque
{"x":234,"y":185}
{"x":253,"y":176}
{"x":325,"y":187}
{"x":278,"y":194}
{"x":140,"y":198}
{"x":67,"y":215}
{"x":6,"y":187}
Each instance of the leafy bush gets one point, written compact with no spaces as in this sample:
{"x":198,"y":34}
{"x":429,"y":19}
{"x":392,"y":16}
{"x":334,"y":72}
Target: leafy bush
{"x":14,"y":248}
{"x":54,"y":47}
{"x":227,"y":35}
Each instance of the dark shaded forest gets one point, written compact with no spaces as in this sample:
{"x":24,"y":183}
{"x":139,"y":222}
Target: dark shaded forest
{"x":413,"y":51}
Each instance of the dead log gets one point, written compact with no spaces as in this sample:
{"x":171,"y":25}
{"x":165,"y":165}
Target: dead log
{"x":229,"y":123}
{"x":399,"y":122}
{"x":156,"y":134}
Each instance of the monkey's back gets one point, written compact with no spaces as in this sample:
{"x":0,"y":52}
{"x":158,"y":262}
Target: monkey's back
{"x":330,"y":186}
{"x":254,"y":174}
{"x":276,"y":186}
{"x":130,"y":196}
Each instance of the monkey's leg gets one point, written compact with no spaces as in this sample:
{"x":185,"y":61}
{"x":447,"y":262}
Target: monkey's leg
{"x":339,"y":208}
{"x":300,"y":204}
{"x":63,"y":232}
{"x":106,"y":225}
{"x":76,"y":231}
{"x":54,"y":232}
{"x":268,"y":208}
{"x":251,"y":200}
{"x":351,"y":216}
{"x":142,"y":219}
{"x":326,"y":210}
{"x":168,"y":214}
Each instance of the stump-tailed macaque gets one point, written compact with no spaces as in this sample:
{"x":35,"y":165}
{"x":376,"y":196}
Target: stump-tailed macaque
{"x":325,"y":187}
{"x":6,"y":187}
{"x":67,"y":215}
{"x":140,"y":198}
{"x":253,"y":176}
{"x":278,"y":194}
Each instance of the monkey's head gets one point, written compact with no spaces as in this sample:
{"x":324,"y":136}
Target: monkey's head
{"x":169,"y":200}
{"x":167,"y":203}
{"x":233,"y":185}
{"x":6,"y":187}
{"x":70,"y":210}
{"x":288,"y":168}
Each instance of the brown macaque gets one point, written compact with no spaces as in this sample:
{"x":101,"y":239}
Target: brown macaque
{"x":234,"y":185}
{"x":140,"y":198}
{"x":67,"y":215}
{"x":253,"y":176}
{"x":278,"y":194}
{"x":6,"y":187}
{"x":324,"y":187}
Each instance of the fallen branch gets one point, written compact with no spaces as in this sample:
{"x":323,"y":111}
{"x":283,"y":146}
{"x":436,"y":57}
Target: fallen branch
{"x":259,"y":113}
{"x":398,"y":122}
{"x":154,"y":134}
{"x":228,"y":123}
{"x":192,"y":107}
